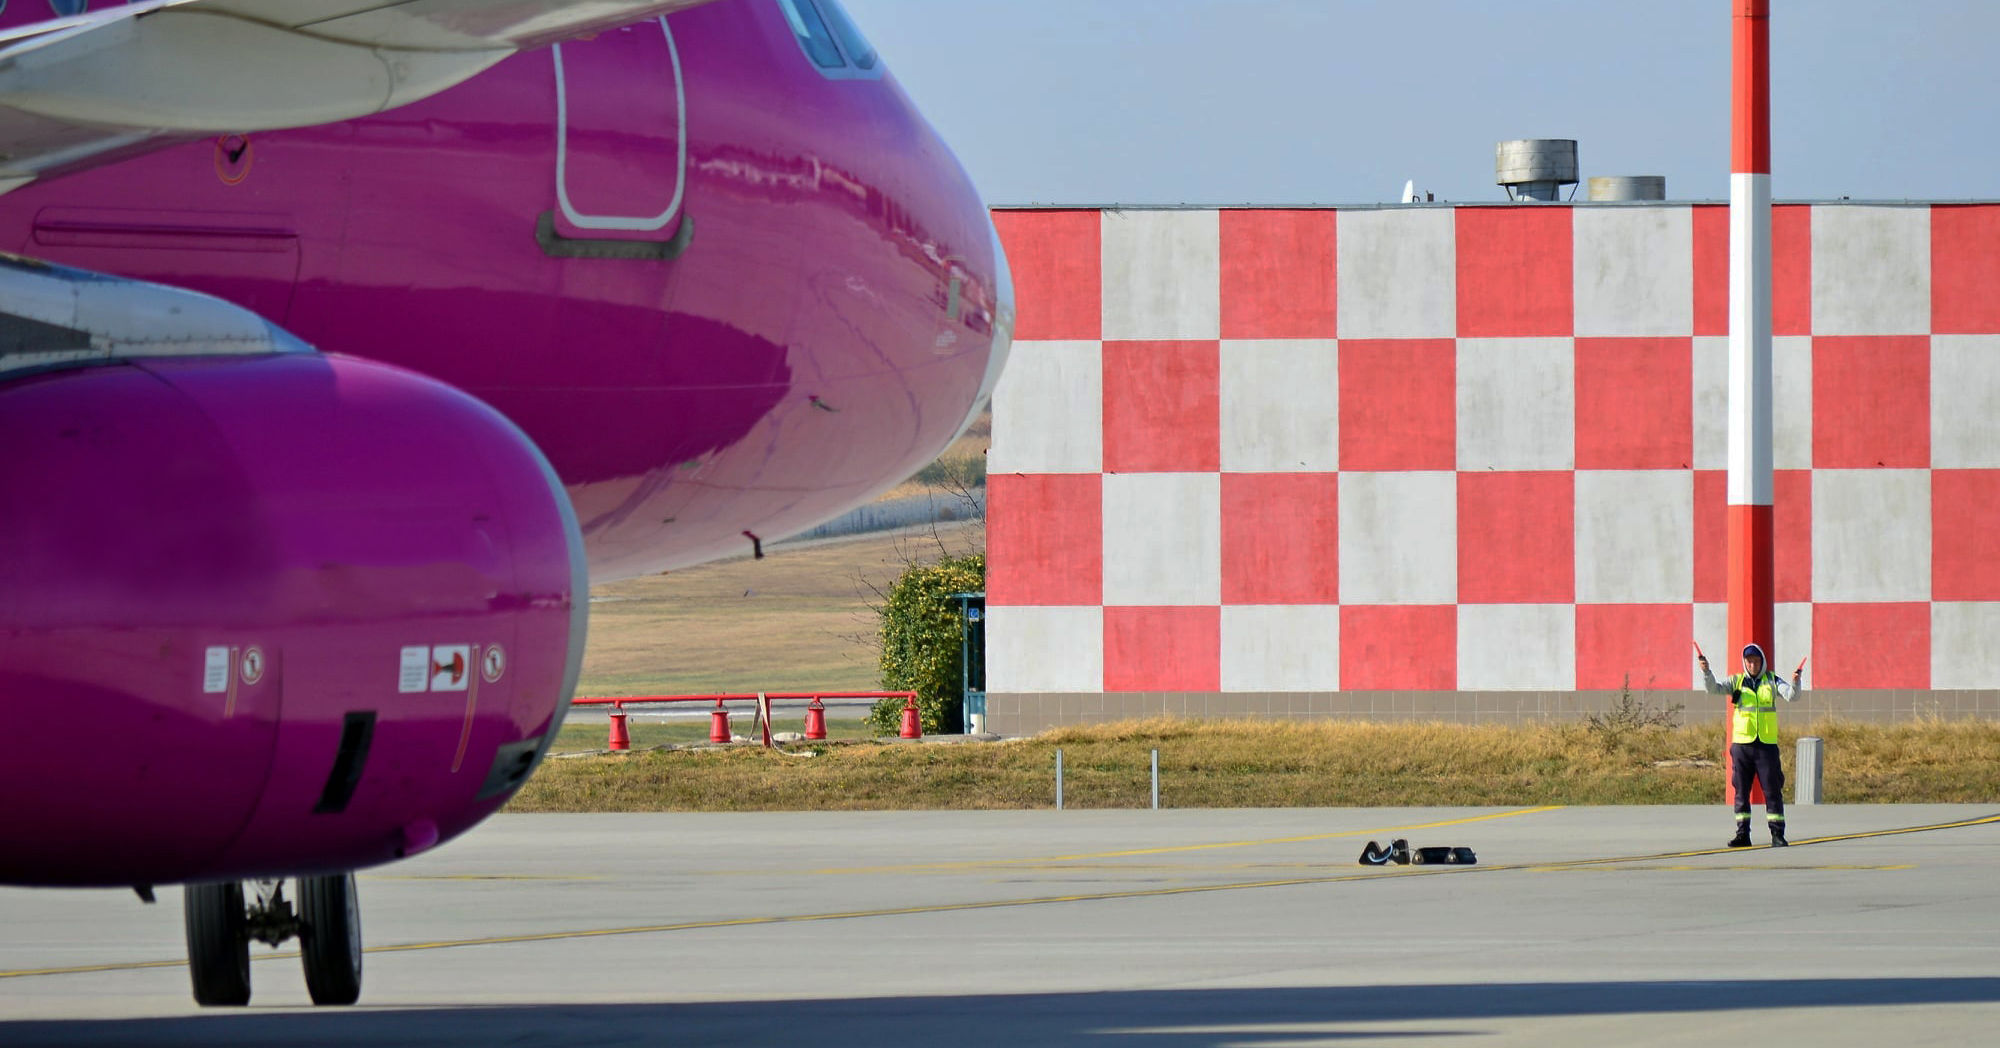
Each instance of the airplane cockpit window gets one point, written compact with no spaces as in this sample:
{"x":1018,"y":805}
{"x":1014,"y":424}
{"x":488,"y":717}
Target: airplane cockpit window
{"x":829,"y":38}
{"x":813,"y":35}
{"x":851,"y":40}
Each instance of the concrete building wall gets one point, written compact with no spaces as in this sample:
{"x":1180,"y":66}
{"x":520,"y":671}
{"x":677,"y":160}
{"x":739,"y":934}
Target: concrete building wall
{"x":1468,"y":462}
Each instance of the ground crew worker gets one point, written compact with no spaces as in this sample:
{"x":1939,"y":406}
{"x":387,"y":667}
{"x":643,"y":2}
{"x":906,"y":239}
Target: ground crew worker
{"x":1753,"y":740}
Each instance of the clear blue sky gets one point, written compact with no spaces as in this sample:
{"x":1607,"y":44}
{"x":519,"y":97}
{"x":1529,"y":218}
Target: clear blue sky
{"x":1340,"y":101}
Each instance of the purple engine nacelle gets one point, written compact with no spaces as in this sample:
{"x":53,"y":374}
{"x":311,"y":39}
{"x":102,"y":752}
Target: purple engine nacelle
{"x":282,"y":613}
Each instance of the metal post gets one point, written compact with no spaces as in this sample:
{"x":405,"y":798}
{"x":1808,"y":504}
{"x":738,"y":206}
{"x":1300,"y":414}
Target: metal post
{"x":1810,"y":770}
{"x":1156,"y":780}
{"x":1058,"y":779}
{"x":1750,"y":482}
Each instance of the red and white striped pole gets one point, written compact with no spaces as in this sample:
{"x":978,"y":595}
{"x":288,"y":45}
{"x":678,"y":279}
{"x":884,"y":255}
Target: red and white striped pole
{"x":1750,"y":484}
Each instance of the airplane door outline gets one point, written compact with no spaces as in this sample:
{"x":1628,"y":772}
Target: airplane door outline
{"x":622,"y":223}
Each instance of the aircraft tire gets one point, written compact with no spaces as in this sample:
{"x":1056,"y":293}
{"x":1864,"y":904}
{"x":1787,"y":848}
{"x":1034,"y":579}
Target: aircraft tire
{"x":218,"y":945}
{"x":330,"y":937}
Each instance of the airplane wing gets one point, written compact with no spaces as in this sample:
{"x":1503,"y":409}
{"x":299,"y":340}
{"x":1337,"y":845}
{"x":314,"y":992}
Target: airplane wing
{"x":81,"y":90}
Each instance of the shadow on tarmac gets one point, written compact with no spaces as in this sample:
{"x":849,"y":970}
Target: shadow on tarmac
{"x":1170,"y":1018}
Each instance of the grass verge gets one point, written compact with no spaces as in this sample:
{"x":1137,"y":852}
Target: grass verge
{"x":1257,"y":764}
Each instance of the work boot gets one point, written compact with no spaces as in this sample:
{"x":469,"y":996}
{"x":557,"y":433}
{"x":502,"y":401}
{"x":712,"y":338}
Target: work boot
{"x":1742,"y":838}
{"x":1778,"y":836}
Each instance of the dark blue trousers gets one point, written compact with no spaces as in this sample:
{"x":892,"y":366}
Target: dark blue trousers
{"x":1758,"y":760}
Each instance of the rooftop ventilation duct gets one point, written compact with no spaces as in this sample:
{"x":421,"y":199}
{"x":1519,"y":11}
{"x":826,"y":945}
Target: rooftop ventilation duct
{"x":1535,"y":168}
{"x":1627,"y":187}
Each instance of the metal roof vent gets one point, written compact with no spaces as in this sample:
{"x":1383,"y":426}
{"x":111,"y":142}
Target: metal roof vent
{"x":1628,"y":187}
{"x":1535,"y":168}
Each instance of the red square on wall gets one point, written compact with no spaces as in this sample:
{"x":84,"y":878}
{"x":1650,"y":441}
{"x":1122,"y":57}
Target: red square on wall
{"x":1965,"y":534}
{"x":1280,"y":538}
{"x":1791,"y":270}
{"x":1056,"y":258}
{"x":1646,"y":644}
{"x":1634,"y":403}
{"x":1965,"y":269}
{"x":1400,"y":647}
{"x":1711,"y":536}
{"x":1870,"y":646}
{"x":1871,"y":401}
{"x":1163,"y":649}
{"x":1791,"y":536}
{"x":1711,"y":269}
{"x":1516,"y":272}
{"x":1278,"y":274}
{"x":1398,"y":404}
{"x":1161,"y":407}
{"x":1517,"y":537}
{"x":1045,"y":539}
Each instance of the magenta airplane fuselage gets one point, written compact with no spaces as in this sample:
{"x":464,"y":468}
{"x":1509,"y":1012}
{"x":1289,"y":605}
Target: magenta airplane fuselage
{"x":620,"y":302}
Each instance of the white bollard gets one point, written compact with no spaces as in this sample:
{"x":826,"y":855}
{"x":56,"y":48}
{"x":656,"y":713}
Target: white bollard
{"x":1810,"y":770}
{"x":1059,"y":779}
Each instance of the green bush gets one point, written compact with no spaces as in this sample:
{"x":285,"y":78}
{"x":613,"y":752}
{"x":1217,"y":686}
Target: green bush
{"x":920,"y":632}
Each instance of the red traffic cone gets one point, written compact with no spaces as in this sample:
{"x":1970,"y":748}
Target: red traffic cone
{"x":718,"y":724}
{"x":620,"y":739}
{"x":911,"y":728}
{"x":815,"y":719}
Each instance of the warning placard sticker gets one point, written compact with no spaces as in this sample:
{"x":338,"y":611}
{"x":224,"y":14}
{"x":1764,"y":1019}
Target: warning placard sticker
{"x":415,"y":672}
{"x":451,"y":667}
{"x":215,"y":671}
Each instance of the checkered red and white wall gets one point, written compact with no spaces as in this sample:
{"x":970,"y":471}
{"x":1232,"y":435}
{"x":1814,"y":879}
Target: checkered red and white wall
{"x":1481,"y":448}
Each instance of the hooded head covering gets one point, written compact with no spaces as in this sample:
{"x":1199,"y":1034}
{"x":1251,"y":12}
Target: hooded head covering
{"x":1752,"y":649}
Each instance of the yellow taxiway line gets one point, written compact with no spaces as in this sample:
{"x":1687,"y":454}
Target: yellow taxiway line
{"x":1373,"y":873}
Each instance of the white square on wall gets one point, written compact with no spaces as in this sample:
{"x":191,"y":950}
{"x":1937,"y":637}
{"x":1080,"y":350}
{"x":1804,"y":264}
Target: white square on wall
{"x":1162,"y":539}
{"x":1516,"y":647}
{"x":1516,"y":403}
{"x":1871,"y":270}
{"x":1037,"y":649}
{"x":1634,"y":536}
{"x":1711,"y":402}
{"x":1871,"y":533}
{"x":1399,"y":538}
{"x":1288,"y":647}
{"x":1398,"y":273}
{"x":1048,"y":410}
{"x":1965,"y":402}
{"x":1963,"y":654}
{"x":1162,"y":274}
{"x":1791,"y":402}
{"x":1280,"y":406}
{"x":1634,"y":271}
{"x":1792,"y":622}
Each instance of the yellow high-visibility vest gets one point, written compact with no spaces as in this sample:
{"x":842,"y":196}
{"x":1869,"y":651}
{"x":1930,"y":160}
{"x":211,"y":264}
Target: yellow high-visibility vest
{"x":1756,"y":717}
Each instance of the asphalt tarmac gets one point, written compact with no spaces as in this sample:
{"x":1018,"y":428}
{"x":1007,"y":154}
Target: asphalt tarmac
{"x":1120,"y":929}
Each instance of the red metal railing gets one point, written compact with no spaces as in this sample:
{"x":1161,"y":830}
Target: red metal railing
{"x":719,"y":726}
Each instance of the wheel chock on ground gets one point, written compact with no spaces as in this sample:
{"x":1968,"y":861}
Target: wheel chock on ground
{"x":1399,"y":853}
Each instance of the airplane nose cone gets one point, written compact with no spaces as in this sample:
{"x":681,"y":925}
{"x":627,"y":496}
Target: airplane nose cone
{"x":1003,"y":328}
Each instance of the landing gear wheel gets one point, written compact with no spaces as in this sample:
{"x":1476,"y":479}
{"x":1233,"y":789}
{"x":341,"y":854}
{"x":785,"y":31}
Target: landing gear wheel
{"x":218,"y":946}
{"x":330,"y":937}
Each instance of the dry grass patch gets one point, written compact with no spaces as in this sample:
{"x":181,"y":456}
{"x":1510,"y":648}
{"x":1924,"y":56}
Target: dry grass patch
{"x":801,"y":619}
{"x":1212,"y":764}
